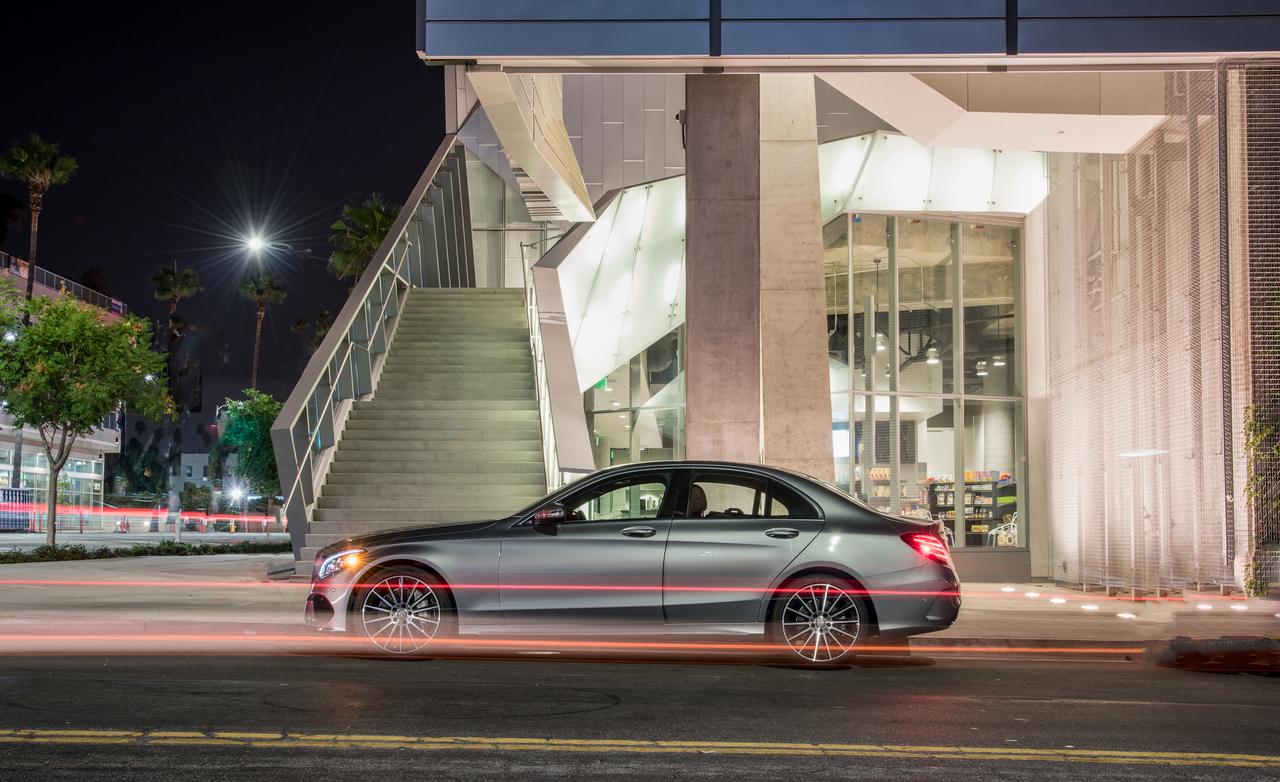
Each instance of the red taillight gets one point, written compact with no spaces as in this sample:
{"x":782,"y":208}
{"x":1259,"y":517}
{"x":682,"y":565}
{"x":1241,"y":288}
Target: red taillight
{"x":929,"y":546}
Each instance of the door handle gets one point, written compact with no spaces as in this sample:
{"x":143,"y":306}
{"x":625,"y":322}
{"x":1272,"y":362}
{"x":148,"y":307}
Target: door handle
{"x":639,"y":532}
{"x":782,"y":532}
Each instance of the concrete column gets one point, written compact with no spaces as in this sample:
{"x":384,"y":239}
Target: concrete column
{"x":756,"y":373}
{"x":794,"y":376}
{"x":722,"y":268}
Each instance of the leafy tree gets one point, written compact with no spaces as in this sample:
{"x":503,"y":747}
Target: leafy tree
{"x":248,"y":430}
{"x":194,"y":497}
{"x":10,"y":213}
{"x":317,"y":328}
{"x":174,"y":284}
{"x":37,"y":164}
{"x":68,"y":369}
{"x":357,"y":236}
{"x":263,"y":290}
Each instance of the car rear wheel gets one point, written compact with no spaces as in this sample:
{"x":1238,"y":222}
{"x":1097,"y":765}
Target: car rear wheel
{"x":819,"y":620}
{"x":404,"y":610}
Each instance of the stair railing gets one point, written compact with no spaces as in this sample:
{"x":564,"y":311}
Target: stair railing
{"x":429,"y":245}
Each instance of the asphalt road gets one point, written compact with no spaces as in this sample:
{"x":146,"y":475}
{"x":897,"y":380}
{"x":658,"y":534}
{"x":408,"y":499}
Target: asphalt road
{"x":954,"y":717}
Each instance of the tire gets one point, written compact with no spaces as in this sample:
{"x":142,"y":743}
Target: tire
{"x":403,"y":611}
{"x":818,"y":621}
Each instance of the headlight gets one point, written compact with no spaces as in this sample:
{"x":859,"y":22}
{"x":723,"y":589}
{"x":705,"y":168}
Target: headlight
{"x":337,"y":562}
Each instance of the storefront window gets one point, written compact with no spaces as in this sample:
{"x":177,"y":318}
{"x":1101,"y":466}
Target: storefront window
{"x":926,"y":423}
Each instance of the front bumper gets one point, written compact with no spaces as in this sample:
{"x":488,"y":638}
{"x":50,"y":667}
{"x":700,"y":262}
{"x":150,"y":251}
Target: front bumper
{"x":326,"y":608}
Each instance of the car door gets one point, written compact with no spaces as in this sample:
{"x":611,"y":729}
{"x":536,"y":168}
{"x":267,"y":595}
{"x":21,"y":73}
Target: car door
{"x":603,"y":563}
{"x":735,"y":534}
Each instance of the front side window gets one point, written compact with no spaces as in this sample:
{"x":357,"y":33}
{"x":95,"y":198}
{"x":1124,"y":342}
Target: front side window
{"x":633,"y":497}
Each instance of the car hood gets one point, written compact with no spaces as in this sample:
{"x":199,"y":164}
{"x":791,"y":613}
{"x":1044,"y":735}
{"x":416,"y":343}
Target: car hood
{"x":414,"y":533}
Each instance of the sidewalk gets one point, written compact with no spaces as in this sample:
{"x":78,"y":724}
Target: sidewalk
{"x":25,"y":541}
{"x":234,"y":591}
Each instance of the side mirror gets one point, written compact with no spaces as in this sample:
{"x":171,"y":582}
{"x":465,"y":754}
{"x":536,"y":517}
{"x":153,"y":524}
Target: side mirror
{"x":553,"y":514}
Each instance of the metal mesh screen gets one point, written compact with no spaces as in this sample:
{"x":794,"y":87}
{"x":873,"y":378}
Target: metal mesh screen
{"x":1251,"y":124}
{"x":1136,"y":409}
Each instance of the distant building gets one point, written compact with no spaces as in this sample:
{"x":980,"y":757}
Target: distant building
{"x":82,"y":477}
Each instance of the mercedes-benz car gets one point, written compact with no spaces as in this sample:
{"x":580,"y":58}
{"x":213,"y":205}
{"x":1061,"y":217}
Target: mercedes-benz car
{"x":667,"y":548}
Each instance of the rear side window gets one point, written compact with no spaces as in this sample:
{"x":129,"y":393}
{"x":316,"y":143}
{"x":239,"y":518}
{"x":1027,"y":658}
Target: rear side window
{"x":727,"y":496}
{"x":785,"y":502}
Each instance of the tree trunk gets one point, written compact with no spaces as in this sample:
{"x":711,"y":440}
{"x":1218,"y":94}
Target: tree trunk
{"x":35,"y":201}
{"x":51,"y":526}
{"x":257,"y":347}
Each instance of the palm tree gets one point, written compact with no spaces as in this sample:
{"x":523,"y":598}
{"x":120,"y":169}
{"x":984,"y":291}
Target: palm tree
{"x":358,"y":235}
{"x":174,"y":285}
{"x":37,"y":164}
{"x":263,"y":290}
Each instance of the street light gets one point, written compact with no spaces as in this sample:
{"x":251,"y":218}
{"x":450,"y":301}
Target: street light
{"x":255,"y":243}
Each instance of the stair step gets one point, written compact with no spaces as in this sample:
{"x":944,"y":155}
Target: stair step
{"x":364,"y":518}
{"x":438,"y":491}
{"x":400,"y":462}
{"x":430,"y":478}
{"x":488,"y":498}
{"x":415,"y":433}
{"x":457,"y":404}
{"x":505,"y":450}
{"x":370,"y":418}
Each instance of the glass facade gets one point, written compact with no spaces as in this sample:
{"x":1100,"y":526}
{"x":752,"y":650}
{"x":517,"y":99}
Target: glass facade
{"x":500,"y":224}
{"x":926,"y":406}
{"x":636,"y":412}
{"x":81,"y":480}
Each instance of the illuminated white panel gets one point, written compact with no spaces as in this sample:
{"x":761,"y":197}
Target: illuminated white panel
{"x":597,"y":336}
{"x":840,"y":163}
{"x":895,"y":178}
{"x":579,"y":269}
{"x":1021,"y":182}
{"x":961,"y":180}
{"x":658,"y":267}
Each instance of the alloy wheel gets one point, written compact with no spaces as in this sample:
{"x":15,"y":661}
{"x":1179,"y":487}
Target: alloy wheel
{"x":821,"y":622}
{"x":400,"y":613}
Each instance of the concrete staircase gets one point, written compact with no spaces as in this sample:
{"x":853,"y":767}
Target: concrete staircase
{"x":452,"y":431}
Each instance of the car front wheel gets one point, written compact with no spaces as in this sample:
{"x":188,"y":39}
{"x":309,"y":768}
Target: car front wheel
{"x":403,"y":610}
{"x":818,"y":620}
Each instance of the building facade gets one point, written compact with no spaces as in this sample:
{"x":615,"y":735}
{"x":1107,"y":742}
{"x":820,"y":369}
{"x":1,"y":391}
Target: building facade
{"x":1007,"y":265}
{"x":82,"y":478}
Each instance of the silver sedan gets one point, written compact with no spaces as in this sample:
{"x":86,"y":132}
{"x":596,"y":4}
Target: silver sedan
{"x":659,"y":548}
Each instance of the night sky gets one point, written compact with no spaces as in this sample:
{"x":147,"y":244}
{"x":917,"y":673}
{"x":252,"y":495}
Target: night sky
{"x":195,"y":123}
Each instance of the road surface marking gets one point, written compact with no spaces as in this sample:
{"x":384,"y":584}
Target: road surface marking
{"x":518,"y":744}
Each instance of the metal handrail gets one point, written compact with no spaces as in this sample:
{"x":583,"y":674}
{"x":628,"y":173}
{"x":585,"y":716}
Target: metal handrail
{"x":321,"y":400}
{"x":17,"y":267}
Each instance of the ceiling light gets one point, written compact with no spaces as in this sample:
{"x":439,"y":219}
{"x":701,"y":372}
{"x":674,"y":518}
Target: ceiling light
{"x":881,"y":343}
{"x":997,"y":361}
{"x":616,"y":403}
{"x":982,"y":369}
{"x":932,"y":356}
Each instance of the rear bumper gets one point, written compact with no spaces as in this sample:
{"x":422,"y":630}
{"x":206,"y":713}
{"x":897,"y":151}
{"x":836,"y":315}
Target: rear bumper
{"x":920,"y":600}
